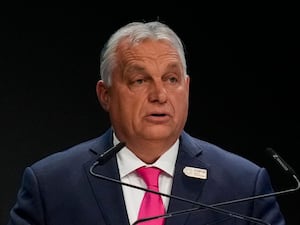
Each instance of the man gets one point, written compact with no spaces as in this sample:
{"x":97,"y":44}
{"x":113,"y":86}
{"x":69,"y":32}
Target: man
{"x":144,"y":87}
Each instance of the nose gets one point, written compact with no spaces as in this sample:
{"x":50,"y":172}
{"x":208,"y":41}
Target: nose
{"x":158,"y":92}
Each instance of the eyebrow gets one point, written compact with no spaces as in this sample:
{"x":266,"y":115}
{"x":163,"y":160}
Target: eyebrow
{"x":173,"y":65}
{"x":138,"y":68}
{"x":135,"y":68}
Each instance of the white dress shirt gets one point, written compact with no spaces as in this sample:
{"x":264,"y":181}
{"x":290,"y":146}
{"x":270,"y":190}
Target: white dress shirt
{"x":128,"y":163}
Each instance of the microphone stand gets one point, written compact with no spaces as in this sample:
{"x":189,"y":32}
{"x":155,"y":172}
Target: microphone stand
{"x":214,"y":207}
{"x":211,"y":207}
{"x":186,"y":211}
{"x":278,"y":159}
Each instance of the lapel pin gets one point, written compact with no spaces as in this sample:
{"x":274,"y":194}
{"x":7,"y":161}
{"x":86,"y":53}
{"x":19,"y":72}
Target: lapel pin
{"x":195,"y":172}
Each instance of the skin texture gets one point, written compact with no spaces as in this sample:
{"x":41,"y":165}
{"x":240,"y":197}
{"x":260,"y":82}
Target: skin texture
{"x":148,"y":99}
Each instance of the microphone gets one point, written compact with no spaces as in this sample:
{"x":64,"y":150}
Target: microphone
{"x":103,"y":158}
{"x":281,"y":162}
{"x":275,"y":156}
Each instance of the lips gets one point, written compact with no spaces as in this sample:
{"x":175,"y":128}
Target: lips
{"x":158,"y":117}
{"x":158,"y":113}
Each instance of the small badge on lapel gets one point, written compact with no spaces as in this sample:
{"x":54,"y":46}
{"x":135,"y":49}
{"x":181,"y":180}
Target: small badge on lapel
{"x":195,"y":172}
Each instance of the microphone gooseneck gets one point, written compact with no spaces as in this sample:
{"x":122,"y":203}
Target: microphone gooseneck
{"x":103,"y":158}
{"x":275,"y":156}
{"x":283,"y":165}
{"x":202,"y":205}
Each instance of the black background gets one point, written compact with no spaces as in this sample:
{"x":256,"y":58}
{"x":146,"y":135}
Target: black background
{"x":244,"y":70}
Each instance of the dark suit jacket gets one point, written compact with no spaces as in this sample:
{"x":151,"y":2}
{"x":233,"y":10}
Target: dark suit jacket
{"x":59,"y":190}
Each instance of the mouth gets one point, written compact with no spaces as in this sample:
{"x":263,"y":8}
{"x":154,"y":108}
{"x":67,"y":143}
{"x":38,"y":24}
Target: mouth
{"x":158,"y":117}
{"x":158,"y":114}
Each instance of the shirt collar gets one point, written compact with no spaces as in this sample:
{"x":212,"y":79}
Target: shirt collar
{"x":128,"y":162}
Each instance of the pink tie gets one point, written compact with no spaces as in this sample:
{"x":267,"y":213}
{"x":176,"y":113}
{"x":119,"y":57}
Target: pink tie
{"x":152,"y":204}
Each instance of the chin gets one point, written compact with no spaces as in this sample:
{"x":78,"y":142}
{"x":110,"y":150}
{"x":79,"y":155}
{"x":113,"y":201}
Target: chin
{"x":158,"y":134}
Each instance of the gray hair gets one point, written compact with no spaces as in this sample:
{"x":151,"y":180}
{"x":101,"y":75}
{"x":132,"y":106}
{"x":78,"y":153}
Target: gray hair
{"x":136,"y":32}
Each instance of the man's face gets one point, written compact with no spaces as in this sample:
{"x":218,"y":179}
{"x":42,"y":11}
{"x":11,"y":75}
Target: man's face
{"x":148,"y":98}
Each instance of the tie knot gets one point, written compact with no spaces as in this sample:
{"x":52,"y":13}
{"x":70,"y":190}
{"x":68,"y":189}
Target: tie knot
{"x":150,"y":175}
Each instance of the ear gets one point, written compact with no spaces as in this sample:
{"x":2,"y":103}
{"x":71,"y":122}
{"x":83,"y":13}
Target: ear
{"x":103,"y":94}
{"x":187,"y":81}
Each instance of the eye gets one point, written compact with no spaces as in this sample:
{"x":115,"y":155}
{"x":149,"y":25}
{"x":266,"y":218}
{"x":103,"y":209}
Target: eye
{"x":139,"y":81}
{"x":173,"y":79}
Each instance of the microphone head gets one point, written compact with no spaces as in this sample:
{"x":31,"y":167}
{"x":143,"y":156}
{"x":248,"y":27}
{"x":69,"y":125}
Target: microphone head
{"x":108,"y":154}
{"x":271,"y":151}
{"x":280,"y":161}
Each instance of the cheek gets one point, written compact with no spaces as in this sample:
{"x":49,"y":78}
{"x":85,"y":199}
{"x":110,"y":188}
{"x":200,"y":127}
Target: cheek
{"x":181,"y":102}
{"x":125,"y":103}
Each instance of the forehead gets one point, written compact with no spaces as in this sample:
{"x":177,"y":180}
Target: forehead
{"x":148,"y":48}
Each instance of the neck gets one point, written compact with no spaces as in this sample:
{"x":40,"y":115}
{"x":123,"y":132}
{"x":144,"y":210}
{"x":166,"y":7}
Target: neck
{"x":149,"y":151}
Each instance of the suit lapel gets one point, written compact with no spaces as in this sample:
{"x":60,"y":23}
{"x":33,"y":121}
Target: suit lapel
{"x":185,"y":186}
{"x":108,"y":194}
